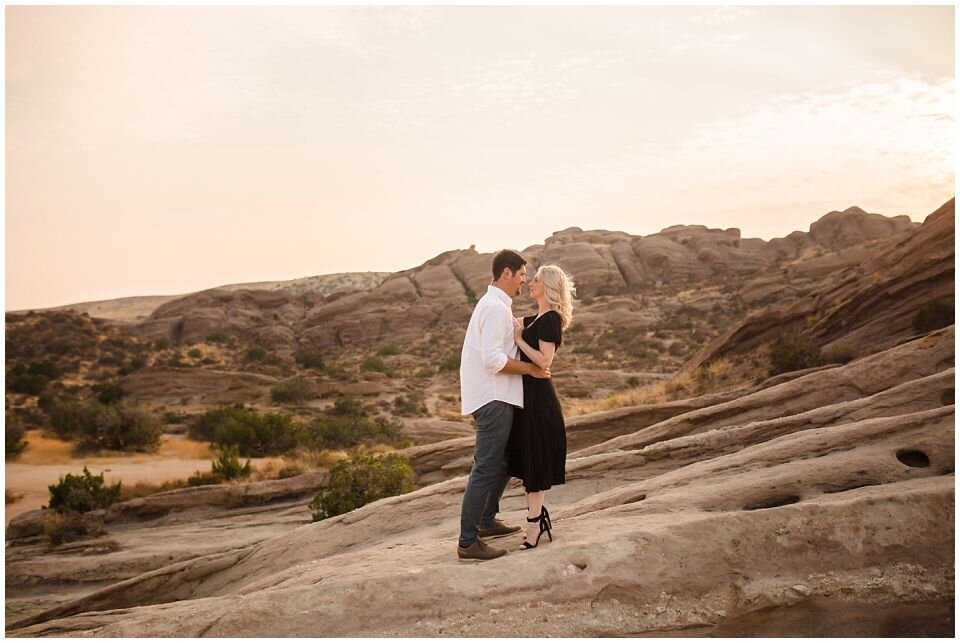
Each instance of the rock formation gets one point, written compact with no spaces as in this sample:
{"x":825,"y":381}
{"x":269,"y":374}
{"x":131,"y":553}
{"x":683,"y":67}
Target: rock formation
{"x":818,"y":504}
{"x":868,"y":307}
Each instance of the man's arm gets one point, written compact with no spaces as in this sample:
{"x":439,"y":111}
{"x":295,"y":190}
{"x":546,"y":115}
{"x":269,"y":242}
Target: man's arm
{"x":516,"y":367}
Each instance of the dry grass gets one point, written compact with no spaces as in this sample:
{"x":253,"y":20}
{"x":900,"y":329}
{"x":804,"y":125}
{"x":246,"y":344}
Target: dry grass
{"x":142,"y":489}
{"x":175,"y":446}
{"x":45,"y":449}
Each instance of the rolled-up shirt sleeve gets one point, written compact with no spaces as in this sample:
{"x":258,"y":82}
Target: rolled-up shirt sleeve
{"x":494,"y":341}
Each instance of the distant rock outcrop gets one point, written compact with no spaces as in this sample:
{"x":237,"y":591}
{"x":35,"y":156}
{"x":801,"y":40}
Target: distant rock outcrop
{"x":444,"y":288}
{"x":868,"y":307}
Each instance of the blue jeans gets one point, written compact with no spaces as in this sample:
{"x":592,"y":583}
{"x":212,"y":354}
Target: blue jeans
{"x":488,"y":477}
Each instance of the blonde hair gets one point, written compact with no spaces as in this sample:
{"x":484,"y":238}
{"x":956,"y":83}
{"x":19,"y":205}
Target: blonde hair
{"x":559,"y":289}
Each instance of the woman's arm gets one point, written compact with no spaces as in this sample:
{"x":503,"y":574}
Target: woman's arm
{"x":543,"y":357}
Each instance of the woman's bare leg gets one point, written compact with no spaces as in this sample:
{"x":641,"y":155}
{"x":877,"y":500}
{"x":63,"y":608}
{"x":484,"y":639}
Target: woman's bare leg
{"x":534,"y":505}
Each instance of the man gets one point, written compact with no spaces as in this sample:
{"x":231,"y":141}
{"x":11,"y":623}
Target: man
{"x":491,"y":385}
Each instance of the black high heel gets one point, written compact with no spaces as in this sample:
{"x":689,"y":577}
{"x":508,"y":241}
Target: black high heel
{"x":545,"y":526}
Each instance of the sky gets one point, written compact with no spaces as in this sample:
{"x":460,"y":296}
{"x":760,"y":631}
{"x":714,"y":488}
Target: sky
{"x":164,"y":150}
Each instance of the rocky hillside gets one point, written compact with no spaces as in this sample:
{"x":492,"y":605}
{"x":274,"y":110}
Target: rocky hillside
{"x":134,"y":309}
{"x":870,"y":305}
{"x":607,"y":267}
{"x":817,"y":504}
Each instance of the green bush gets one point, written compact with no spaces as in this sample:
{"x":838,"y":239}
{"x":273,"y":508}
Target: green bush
{"x":348,"y":405}
{"x":411,"y":404}
{"x":217,"y":337}
{"x":289,"y":471}
{"x":195,"y":353}
{"x":172,"y":417}
{"x":633,"y":381}
{"x":374,"y":363}
{"x":347,"y":424}
{"x":256,"y":354}
{"x":69,"y":418}
{"x":344,"y":431}
{"x":82,"y":493}
{"x":199,"y":479}
{"x":793,"y":352}
{"x":425,"y":372}
{"x":253,"y":434}
{"x":389,"y":349}
{"x":361,"y":480}
{"x":27,"y":383}
{"x":14,"y":431}
{"x":161,"y":344}
{"x":119,"y":427}
{"x":59,"y":528}
{"x":934,"y":314}
{"x":227,"y":465}
{"x":296,"y":389}
{"x":108,"y":392}
{"x":309,"y":358}
{"x":451,"y":363}
{"x":135,"y":364}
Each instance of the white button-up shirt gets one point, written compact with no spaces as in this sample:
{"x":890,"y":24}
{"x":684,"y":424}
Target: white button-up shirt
{"x":486,"y":347}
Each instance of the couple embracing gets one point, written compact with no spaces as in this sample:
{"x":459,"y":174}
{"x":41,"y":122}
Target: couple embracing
{"x":505,"y":384}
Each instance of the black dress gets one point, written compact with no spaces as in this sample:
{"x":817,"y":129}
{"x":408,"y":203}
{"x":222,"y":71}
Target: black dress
{"x":537,"y":450}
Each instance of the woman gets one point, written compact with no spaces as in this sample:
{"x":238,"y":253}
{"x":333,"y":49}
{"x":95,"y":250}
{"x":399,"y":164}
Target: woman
{"x":537,"y":450}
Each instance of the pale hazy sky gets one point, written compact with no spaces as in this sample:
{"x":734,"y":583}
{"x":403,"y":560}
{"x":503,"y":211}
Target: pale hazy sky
{"x":162,"y":150}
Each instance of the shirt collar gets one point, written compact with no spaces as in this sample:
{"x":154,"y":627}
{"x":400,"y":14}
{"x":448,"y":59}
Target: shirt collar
{"x":504,"y":297}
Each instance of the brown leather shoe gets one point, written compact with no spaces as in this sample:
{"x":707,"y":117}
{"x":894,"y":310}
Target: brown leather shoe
{"x":497,"y":529}
{"x":479,"y":551}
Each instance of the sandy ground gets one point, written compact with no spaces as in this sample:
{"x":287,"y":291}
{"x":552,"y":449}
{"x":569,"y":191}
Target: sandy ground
{"x":46,"y":459}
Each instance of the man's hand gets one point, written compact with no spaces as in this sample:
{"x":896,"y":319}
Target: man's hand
{"x":537,"y":372}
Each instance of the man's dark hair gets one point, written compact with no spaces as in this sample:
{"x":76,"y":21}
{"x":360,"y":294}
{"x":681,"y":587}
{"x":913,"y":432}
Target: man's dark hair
{"x":507,"y":259}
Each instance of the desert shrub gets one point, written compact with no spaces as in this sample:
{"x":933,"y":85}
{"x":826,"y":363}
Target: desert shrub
{"x":839,"y":354}
{"x":11,"y":497}
{"x":136,"y":363}
{"x":195,"y":353}
{"x":425,"y":372}
{"x":119,"y":427}
{"x":677,"y":349}
{"x":934,"y":314}
{"x":633,"y":381}
{"x":27,"y":383}
{"x":81,"y":493}
{"x":373,"y":363}
{"x":59,"y":528}
{"x":175,"y":360}
{"x":348,"y":405}
{"x":410,"y":404}
{"x":253,"y":434}
{"x":172,"y":417}
{"x":161,"y":344}
{"x":70,"y":418}
{"x":199,"y":479}
{"x":347,"y":425}
{"x":13,"y":433}
{"x":256,"y":354}
{"x":388,"y":349}
{"x":217,"y":337}
{"x":142,"y":489}
{"x":793,"y":352}
{"x":296,"y":389}
{"x":361,"y":480}
{"x":108,"y":392}
{"x":227,"y":464}
{"x":451,"y":363}
{"x":309,"y":358}
{"x":289,"y":471}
